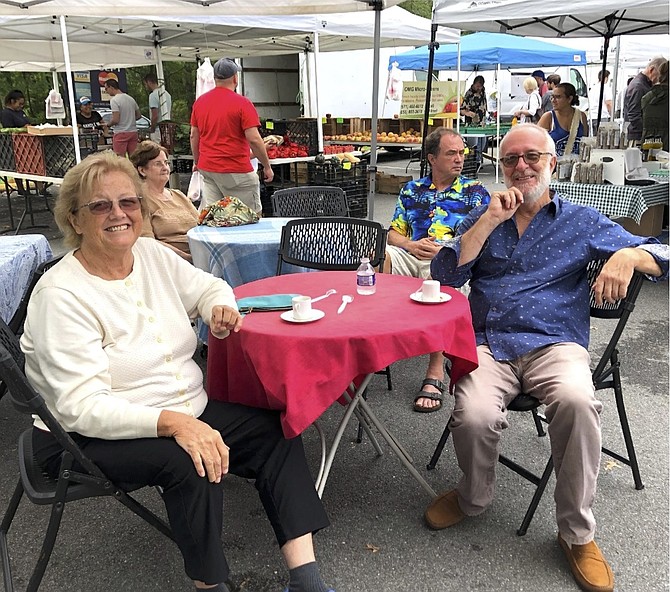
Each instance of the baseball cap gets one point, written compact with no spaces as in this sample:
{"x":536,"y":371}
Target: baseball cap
{"x":84,"y":101}
{"x":538,"y":74}
{"x":225,"y":68}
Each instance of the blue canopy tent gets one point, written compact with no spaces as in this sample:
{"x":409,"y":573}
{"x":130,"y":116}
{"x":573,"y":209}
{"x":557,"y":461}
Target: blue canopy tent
{"x":486,"y":51}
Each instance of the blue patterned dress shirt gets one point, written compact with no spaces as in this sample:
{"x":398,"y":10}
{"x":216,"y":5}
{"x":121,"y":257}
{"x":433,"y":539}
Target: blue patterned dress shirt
{"x":532,"y":291}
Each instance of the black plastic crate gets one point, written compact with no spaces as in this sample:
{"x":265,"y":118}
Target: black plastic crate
{"x":59,"y":152}
{"x":472,"y":163}
{"x":7,"y":162}
{"x":333,"y":172}
{"x":300,"y":131}
{"x":182,"y":165}
{"x":357,"y":197}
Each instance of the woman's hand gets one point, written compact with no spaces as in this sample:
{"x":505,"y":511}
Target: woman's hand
{"x":225,"y":318}
{"x":203,"y":444}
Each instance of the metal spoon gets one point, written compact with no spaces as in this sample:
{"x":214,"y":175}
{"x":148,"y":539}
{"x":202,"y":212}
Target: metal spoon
{"x":346,"y":299}
{"x":328,"y":293}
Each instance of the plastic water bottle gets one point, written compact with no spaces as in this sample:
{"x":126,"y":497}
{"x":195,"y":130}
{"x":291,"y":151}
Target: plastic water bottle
{"x":365,"y":278}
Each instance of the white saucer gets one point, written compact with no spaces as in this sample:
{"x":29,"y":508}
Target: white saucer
{"x":316,"y":315}
{"x":418,"y":297}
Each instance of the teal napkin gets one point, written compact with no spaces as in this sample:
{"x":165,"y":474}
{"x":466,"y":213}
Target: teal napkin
{"x":266,"y":303}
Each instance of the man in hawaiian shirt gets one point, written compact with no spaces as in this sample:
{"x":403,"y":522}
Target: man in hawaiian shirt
{"x":429,"y":210}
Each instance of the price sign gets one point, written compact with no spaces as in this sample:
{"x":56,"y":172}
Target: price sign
{"x":269,"y":125}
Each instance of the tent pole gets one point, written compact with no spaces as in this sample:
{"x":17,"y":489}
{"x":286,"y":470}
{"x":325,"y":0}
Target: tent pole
{"x":432,"y":46}
{"x":160,"y":73}
{"x":372,"y":169}
{"x":499,"y":106}
{"x":601,"y":94}
{"x":317,"y":110}
{"x":70,"y":89}
{"x":458,"y":89}
{"x":615,"y":78}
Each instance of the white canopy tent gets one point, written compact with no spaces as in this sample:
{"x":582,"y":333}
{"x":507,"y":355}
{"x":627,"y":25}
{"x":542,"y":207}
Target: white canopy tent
{"x":586,"y":18}
{"x":539,"y":18}
{"x":33,"y":43}
{"x":194,"y":27}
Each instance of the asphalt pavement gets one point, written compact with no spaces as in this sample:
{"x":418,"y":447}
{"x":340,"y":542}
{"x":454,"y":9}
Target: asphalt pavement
{"x":377,"y":540}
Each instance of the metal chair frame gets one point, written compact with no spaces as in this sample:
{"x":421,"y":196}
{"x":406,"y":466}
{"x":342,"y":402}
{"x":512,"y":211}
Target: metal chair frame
{"x":78,"y":476}
{"x":606,"y":375}
{"x":310,"y":202}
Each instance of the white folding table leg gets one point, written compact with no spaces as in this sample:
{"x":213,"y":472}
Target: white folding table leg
{"x":321,"y":483}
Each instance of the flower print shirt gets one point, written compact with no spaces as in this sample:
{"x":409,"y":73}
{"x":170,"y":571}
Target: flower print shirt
{"x":424,"y":211}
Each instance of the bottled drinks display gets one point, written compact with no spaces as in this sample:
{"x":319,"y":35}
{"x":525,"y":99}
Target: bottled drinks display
{"x":365,"y":278}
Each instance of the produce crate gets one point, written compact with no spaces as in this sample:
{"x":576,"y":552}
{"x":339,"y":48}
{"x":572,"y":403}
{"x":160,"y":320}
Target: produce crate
{"x":333,"y":172}
{"x":182,"y":165}
{"x":357,"y":197}
{"x":472,"y":162}
{"x":29,"y":154}
{"x":301,"y":131}
{"x":7,"y":162}
{"x":391,"y":184}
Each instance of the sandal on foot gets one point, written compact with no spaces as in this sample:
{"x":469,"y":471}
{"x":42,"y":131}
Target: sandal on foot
{"x":432,"y":396}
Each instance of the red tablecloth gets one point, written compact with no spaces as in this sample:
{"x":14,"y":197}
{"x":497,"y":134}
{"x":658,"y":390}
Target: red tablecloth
{"x":303,"y":368}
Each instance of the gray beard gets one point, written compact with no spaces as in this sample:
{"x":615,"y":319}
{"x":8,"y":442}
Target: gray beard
{"x":533,"y":195}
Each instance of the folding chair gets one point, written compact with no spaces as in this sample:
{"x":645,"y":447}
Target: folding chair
{"x":309,"y":202}
{"x":334,"y":244}
{"x":606,"y":375}
{"x":78,"y":477}
{"x":16,"y":322}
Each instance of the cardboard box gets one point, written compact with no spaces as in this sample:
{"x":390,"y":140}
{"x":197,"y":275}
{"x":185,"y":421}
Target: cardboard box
{"x":651,"y":223}
{"x":391,"y":184}
{"x":54,"y":130}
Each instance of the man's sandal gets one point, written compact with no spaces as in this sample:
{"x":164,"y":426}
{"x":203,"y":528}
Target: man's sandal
{"x":432,"y":396}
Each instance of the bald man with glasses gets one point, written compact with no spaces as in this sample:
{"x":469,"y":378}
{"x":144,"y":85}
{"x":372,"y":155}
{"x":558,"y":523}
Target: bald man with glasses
{"x":525,"y":255}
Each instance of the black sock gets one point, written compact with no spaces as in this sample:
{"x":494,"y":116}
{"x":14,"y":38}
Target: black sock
{"x":306,"y":578}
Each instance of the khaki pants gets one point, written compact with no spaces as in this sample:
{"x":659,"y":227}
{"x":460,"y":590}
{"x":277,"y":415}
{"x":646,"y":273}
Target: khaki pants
{"x":558,"y":376}
{"x":244,"y":186}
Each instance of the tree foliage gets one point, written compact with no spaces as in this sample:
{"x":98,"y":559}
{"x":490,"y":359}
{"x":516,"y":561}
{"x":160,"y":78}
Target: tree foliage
{"x":423,"y":8}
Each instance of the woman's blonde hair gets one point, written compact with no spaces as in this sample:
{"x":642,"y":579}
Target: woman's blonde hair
{"x":79,"y":185}
{"x":529,"y":84}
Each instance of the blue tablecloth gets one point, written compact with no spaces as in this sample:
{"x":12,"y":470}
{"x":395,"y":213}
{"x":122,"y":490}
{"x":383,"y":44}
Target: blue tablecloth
{"x":239,"y":254}
{"x":19,"y":257}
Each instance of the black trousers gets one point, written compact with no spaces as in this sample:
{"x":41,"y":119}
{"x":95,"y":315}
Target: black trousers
{"x":258,"y":450}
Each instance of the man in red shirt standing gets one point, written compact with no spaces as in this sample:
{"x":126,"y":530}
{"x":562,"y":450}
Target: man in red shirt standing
{"x":224,"y":133}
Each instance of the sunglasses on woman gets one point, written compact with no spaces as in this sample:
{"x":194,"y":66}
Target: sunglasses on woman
{"x":530,"y":157}
{"x":104,"y":206}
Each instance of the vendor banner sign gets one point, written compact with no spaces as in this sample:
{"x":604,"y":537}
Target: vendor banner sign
{"x":444,"y":98}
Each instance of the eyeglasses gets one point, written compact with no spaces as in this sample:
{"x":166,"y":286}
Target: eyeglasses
{"x":160,"y":163}
{"x":104,"y":206}
{"x":555,"y":97}
{"x":453,"y":153}
{"x":531,"y":157}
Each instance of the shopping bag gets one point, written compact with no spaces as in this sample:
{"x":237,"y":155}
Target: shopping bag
{"x":195,"y":187}
{"x":229,"y":211}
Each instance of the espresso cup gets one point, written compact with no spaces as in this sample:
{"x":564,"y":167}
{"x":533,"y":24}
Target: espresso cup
{"x":430,"y":291}
{"x":302,"y":307}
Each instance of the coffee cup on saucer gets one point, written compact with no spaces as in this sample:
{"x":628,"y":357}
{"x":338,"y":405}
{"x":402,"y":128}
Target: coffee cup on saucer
{"x":430,"y":291}
{"x":302,"y":307}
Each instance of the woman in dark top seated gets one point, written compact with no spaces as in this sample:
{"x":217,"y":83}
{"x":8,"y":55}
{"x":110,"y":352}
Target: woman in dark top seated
{"x":12,"y":115}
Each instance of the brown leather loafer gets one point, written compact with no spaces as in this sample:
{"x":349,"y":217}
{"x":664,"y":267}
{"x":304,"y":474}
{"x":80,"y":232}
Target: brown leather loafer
{"x":443,"y":511}
{"x":588,"y":566}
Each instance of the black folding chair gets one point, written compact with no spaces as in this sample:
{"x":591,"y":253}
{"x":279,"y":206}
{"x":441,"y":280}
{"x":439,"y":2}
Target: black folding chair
{"x":16,"y":322}
{"x":606,"y":375}
{"x":309,"y":202}
{"x":334,"y":244}
{"x":78,"y":477}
